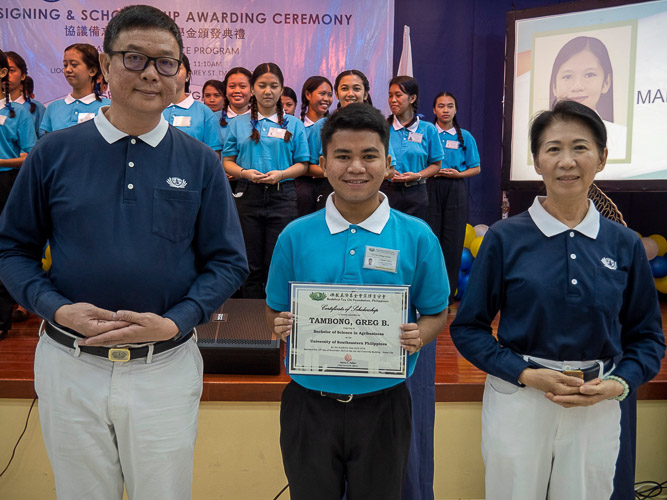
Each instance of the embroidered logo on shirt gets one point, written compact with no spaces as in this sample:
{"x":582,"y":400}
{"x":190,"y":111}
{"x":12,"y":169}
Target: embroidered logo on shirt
{"x":609,"y":263}
{"x":176,"y":182}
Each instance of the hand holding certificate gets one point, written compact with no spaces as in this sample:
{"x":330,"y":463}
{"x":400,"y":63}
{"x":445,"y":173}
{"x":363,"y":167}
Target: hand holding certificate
{"x":348,"y":330}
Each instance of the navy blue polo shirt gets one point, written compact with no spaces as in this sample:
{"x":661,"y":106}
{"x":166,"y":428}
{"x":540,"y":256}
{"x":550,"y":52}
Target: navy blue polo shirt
{"x":563,"y":294}
{"x":142,"y":223}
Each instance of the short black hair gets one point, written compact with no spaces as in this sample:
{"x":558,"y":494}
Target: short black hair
{"x":140,"y":16}
{"x":356,"y":116}
{"x":565,"y":111}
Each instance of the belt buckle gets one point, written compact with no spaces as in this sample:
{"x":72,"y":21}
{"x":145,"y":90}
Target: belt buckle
{"x":117,"y":355}
{"x":574,"y":373}
{"x":347,"y":400}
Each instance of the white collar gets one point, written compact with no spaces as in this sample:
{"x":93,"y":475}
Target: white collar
{"x":307,"y":122}
{"x":375,"y":223}
{"x":273,"y":117}
{"x":86,"y":100}
{"x":185,"y":103}
{"x":451,"y":131}
{"x":233,"y":114}
{"x":412,"y":128}
{"x":20,"y":100}
{"x":550,"y":226}
{"x":111,"y":134}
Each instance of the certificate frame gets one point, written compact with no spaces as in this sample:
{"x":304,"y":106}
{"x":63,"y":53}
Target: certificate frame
{"x":348,"y":330}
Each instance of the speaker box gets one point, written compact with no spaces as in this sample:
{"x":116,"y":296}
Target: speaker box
{"x":237,"y":340}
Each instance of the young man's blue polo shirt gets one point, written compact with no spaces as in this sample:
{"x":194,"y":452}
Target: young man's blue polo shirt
{"x":37,"y":116}
{"x":271,"y":153}
{"x":17,"y":135}
{"x":324,"y":248}
{"x":415,"y":147}
{"x":455,"y":156}
{"x":69,"y":111}
{"x":564,"y":294}
{"x":195,"y":119}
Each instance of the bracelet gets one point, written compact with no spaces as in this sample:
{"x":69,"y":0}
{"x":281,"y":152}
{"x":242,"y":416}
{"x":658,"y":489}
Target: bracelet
{"x":420,"y":176}
{"x":241,"y":172}
{"x":626,"y":387}
{"x":421,"y":344}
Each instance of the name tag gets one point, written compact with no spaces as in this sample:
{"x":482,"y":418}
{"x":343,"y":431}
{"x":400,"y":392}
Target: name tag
{"x":415,"y":137}
{"x":182,"y":121}
{"x":3,"y":118}
{"x":84,"y":117}
{"x":278,"y":133}
{"x":452,"y":145}
{"x":382,"y":259}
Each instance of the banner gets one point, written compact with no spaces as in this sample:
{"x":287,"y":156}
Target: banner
{"x":303,"y":37}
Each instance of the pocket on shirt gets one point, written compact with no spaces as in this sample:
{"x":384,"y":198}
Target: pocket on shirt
{"x":609,"y":289}
{"x":175,"y":213}
{"x":501,"y":386}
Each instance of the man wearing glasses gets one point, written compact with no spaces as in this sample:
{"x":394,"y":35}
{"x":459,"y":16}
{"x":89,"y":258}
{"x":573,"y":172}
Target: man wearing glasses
{"x":146,"y":244}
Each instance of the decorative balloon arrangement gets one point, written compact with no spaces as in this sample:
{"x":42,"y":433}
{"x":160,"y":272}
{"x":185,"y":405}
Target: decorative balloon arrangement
{"x":656,"y":248}
{"x":655,"y":245}
{"x":473,"y":240}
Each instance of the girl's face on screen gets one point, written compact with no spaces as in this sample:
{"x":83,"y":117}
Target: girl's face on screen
{"x":582,"y":79}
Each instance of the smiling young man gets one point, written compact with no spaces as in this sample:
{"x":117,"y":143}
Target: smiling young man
{"x":355,"y":430}
{"x":146,"y":244}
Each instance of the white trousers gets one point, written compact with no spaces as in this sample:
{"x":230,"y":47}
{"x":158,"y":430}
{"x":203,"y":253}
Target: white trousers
{"x":534,"y":449}
{"x":105,"y":423}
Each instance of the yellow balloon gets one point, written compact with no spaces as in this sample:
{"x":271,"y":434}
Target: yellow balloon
{"x":474,"y":246}
{"x":660,"y":240}
{"x":470,"y":235}
{"x":661,"y":284}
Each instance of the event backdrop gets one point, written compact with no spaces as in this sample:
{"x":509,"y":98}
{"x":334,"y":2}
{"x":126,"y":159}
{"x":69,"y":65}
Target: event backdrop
{"x":303,"y":37}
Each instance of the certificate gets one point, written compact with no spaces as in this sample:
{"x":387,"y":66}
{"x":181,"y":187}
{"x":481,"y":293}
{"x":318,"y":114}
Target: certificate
{"x":349,"y":330}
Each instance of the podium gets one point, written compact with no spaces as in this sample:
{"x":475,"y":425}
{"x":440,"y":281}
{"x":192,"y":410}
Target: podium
{"x":237,"y":341}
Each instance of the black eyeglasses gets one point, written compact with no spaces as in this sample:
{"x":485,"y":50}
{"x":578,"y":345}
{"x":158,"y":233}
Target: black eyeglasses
{"x":136,"y":61}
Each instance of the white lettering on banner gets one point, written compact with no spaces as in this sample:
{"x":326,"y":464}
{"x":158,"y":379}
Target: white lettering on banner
{"x":303,"y":37}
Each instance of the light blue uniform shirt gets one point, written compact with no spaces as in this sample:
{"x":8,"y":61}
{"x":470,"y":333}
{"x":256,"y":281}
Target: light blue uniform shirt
{"x":195,"y":119}
{"x":416,"y":147}
{"x":17,"y":135}
{"x":298,"y":256}
{"x":455,"y":157}
{"x":315,"y":143}
{"x":271,"y":153}
{"x":37,"y":116}
{"x":223,"y":131}
{"x":66,"y":112}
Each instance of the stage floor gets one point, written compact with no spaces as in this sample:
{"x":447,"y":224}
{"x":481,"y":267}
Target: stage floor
{"x":456,"y":379}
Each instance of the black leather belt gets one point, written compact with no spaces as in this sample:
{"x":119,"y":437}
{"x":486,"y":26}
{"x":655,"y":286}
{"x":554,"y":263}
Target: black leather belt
{"x":402,"y":185}
{"x":347,"y":398}
{"x":585,"y":374}
{"x":115,"y":353}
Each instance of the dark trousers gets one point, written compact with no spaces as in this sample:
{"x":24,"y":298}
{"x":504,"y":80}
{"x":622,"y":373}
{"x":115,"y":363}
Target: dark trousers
{"x":326,"y":443}
{"x":311,"y":194}
{"x":7,"y":179}
{"x":448,"y":214}
{"x":264,"y":211}
{"x":411,"y":200}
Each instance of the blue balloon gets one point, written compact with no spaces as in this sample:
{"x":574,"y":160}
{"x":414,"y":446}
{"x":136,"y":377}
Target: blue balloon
{"x":466,"y":260}
{"x":461,"y":285}
{"x":659,"y":266}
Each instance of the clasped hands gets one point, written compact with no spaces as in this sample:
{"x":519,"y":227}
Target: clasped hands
{"x":568,"y":391}
{"x":102,"y":327}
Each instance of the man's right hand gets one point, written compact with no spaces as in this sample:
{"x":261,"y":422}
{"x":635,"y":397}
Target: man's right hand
{"x":87,"y":319}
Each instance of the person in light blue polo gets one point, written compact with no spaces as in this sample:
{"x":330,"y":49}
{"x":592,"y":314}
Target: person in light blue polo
{"x":17,"y":138}
{"x":81,"y":67}
{"x":265,"y":151}
{"x":339,"y":431}
{"x":192,"y":117}
{"x":416,"y":146}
